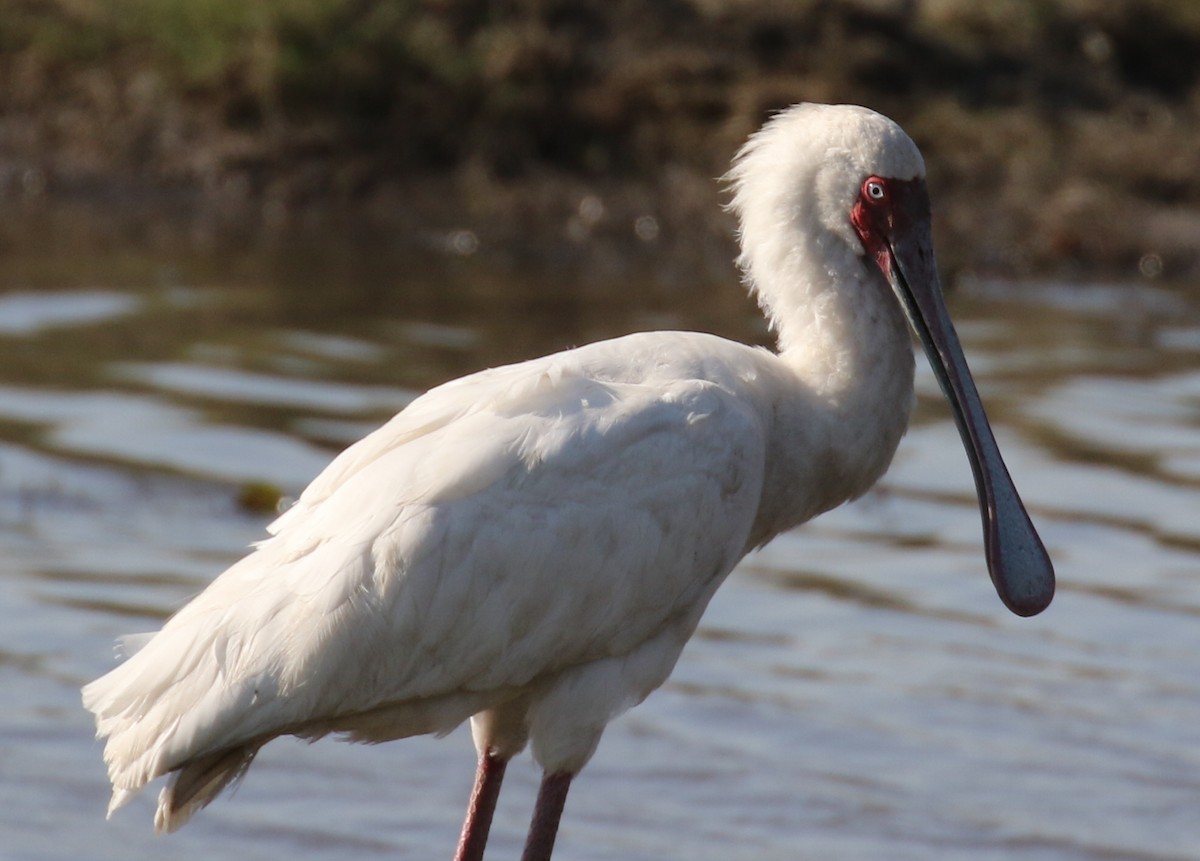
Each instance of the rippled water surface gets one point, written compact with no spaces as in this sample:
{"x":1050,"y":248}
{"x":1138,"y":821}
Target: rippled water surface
{"x":856,"y":691}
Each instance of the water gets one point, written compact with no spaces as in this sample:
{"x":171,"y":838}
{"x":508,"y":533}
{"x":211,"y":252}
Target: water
{"x":856,"y":691}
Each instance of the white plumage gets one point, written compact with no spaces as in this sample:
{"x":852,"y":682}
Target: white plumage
{"x":533,"y":545}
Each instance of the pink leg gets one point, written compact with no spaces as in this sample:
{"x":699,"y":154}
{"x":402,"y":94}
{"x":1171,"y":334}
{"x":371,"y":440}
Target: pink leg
{"x":488,"y":777}
{"x":551,"y":797}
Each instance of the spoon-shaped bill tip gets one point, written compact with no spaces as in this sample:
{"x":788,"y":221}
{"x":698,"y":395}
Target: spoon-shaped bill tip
{"x":1017,"y":560}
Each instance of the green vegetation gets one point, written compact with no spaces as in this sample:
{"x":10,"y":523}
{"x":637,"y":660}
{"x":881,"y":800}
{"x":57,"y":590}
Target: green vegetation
{"x":1065,"y":128}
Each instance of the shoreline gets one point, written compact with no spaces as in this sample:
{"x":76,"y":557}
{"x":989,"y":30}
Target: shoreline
{"x":1057,"y":146}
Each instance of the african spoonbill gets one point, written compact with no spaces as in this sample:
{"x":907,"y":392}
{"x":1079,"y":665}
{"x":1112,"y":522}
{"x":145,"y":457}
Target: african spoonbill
{"x":530,"y":547}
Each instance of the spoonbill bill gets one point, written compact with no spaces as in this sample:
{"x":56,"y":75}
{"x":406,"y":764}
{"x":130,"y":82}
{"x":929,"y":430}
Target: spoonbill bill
{"x":531,"y":546}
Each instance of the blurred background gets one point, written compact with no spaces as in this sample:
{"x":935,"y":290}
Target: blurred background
{"x":1066,"y":129}
{"x":235,"y":237}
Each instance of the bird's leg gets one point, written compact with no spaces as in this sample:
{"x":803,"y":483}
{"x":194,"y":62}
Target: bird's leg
{"x":551,"y":797}
{"x":488,"y":777}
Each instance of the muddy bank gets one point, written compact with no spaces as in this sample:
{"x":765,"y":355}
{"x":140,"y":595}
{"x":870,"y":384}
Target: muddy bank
{"x":1061,"y":138}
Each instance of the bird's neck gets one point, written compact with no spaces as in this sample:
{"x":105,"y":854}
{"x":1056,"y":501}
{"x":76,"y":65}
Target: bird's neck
{"x":843,"y":332}
{"x":845,"y":343}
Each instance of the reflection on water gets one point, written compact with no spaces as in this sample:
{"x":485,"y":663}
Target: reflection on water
{"x":856,"y":690}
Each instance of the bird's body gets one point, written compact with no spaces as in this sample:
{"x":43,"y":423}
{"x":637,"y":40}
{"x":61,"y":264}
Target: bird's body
{"x":532,"y":546}
{"x":555,"y":525}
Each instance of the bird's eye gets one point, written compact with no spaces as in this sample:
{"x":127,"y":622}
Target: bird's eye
{"x":874,"y":189}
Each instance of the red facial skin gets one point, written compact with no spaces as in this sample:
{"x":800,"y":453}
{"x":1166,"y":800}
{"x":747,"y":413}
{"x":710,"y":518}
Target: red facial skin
{"x":885,"y":210}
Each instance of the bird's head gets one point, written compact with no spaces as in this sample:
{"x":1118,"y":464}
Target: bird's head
{"x":806,"y":168}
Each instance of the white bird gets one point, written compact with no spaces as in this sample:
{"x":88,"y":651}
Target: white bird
{"x":530,"y":547}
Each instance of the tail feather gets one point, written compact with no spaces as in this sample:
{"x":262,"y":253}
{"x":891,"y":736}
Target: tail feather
{"x":195,"y":784}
